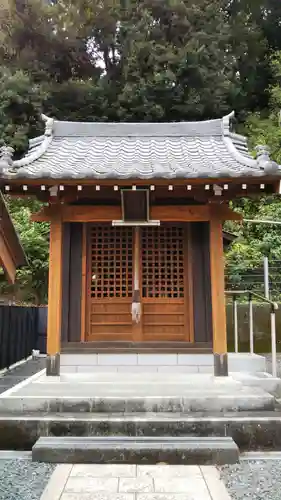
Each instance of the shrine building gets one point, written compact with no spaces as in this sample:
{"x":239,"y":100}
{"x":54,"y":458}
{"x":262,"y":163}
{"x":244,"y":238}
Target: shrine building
{"x":136,"y":214}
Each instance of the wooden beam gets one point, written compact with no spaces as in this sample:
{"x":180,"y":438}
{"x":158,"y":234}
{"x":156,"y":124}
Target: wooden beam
{"x":74,"y":213}
{"x":7,"y":261}
{"x":166,"y":213}
{"x":99,"y":213}
{"x":218,"y":297}
{"x":180,"y":213}
{"x":54,"y":296}
{"x":223,"y":212}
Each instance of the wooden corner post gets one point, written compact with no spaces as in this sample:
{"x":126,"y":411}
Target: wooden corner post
{"x":218,"y":297}
{"x":54,"y":296}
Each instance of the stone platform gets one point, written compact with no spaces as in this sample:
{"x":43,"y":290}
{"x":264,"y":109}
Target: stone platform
{"x":135,"y":392}
{"x":142,"y":404}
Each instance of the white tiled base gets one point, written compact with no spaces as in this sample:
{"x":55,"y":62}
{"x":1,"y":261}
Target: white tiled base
{"x":168,"y":363}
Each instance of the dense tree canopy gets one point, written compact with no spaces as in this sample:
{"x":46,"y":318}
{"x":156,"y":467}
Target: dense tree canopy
{"x":145,"y":60}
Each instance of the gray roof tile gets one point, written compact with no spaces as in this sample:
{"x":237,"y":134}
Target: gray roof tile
{"x":139,"y":151}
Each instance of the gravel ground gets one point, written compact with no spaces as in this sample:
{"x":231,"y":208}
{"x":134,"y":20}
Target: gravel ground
{"x":253,"y":480}
{"x":22,"y":479}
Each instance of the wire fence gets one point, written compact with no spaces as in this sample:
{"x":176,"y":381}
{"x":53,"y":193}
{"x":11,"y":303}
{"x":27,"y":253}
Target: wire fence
{"x":255,"y":279}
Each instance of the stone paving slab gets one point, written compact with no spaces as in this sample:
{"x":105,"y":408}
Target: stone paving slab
{"x":131,"y":482}
{"x":21,"y":372}
{"x":104,"y":470}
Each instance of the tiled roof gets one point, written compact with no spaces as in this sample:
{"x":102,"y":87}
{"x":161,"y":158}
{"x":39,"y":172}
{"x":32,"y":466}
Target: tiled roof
{"x":73,"y":150}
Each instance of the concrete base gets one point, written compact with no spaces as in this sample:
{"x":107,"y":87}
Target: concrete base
{"x":53,"y":365}
{"x":164,"y":363}
{"x":136,"y":450}
{"x":220,"y":365}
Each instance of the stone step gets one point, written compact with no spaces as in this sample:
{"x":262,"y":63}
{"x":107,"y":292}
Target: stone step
{"x":251,"y":431}
{"x":136,"y":450}
{"x":91,"y":399}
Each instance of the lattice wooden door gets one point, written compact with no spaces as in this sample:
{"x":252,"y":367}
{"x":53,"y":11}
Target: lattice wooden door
{"x":110,"y":283}
{"x":164,"y":279}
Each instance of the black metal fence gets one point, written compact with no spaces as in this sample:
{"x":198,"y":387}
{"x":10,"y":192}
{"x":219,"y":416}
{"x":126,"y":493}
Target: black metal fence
{"x":253,"y":279}
{"x":19,"y":333}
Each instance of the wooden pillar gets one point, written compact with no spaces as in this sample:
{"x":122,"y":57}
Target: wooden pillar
{"x":54,"y":296}
{"x":218,"y":298}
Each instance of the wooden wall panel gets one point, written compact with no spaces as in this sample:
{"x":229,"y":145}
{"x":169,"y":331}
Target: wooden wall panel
{"x":65,"y":281}
{"x":75,"y":282}
{"x":84,"y":281}
{"x":202,"y":309}
{"x":72,"y":282}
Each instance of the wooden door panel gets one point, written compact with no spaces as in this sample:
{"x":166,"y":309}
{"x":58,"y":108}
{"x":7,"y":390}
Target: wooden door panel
{"x":112,"y":306}
{"x":163,"y":283}
{"x":110,"y":335}
{"x":163,"y":318}
{"x":110,"y":291}
{"x":159,"y":306}
{"x":158,"y":335}
{"x":97,"y":317}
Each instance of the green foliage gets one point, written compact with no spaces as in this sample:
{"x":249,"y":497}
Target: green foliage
{"x":257,"y":240}
{"x":32,"y":281}
{"x":147,"y":60}
{"x":263,"y":127}
{"x":254,"y":240}
{"x":20,"y":108}
{"x":178,"y":62}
